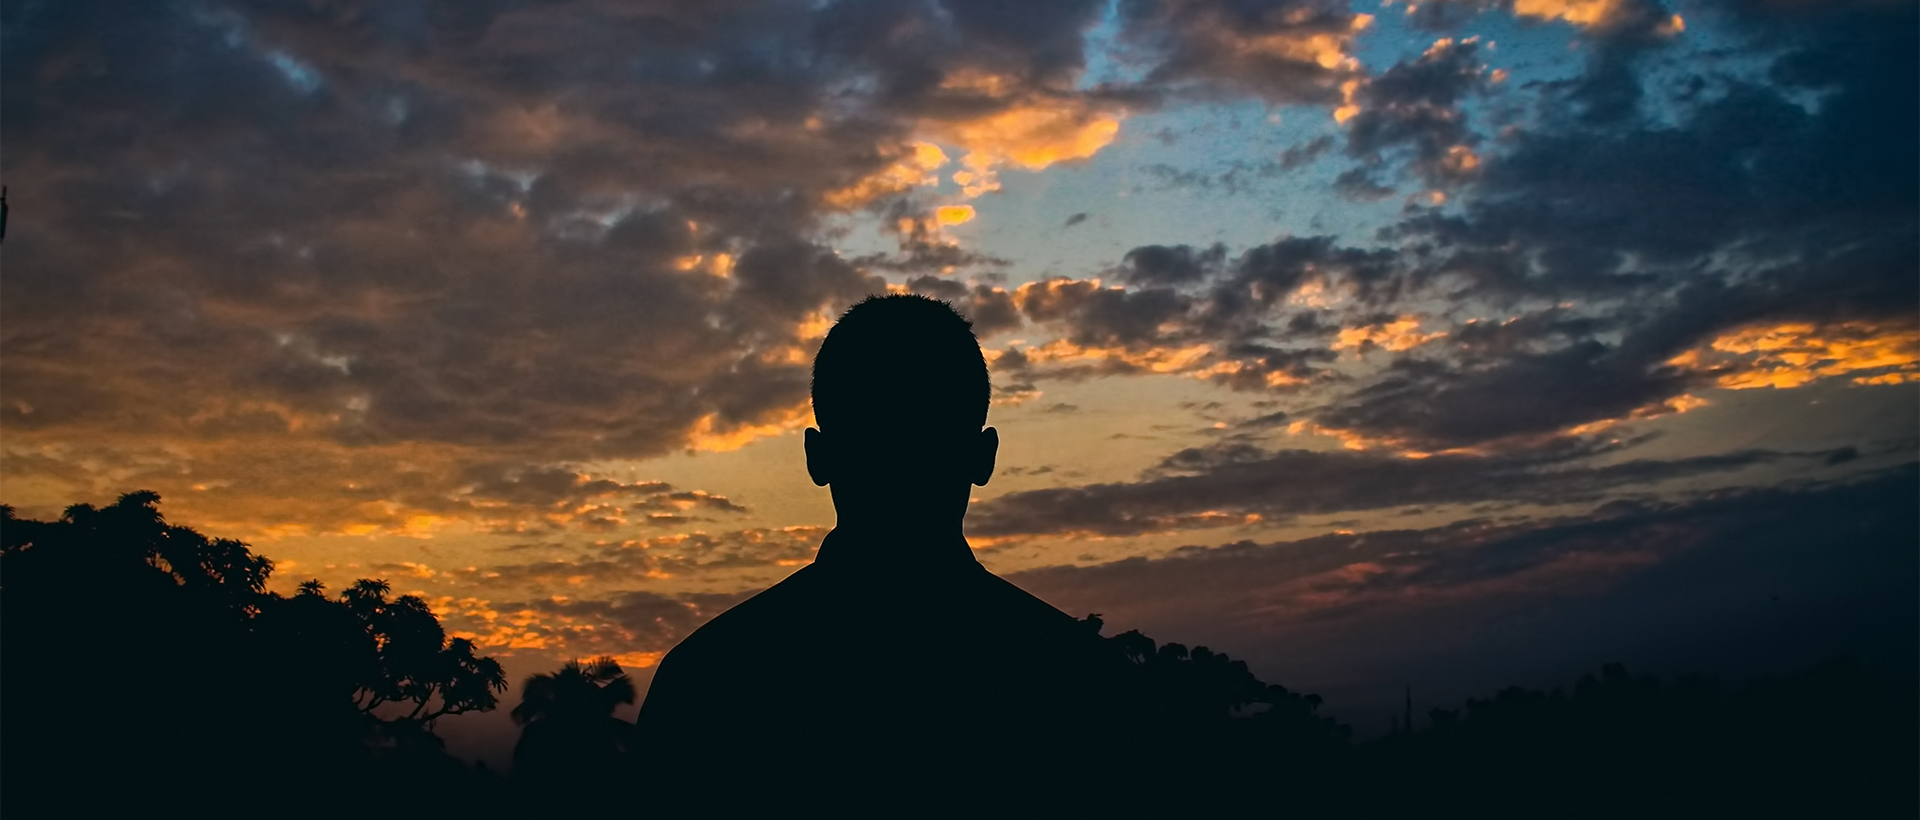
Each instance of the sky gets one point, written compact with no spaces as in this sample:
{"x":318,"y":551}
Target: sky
{"x":1444,"y":344}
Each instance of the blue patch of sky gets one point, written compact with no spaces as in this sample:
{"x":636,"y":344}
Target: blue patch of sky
{"x":1198,"y":174}
{"x":1193,"y":175}
{"x":1106,"y":63}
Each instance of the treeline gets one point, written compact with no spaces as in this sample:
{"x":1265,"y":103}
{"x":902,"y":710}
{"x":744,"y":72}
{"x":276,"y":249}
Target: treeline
{"x":145,"y":669}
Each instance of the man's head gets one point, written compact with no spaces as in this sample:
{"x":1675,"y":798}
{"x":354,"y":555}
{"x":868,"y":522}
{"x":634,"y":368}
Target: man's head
{"x":900,"y":391}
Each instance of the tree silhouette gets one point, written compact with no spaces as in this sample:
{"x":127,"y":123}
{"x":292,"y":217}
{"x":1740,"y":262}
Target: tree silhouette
{"x":575,"y":692}
{"x":569,"y":738}
{"x":414,"y":660}
{"x":146,"y":662}
{"x":1202,"y":718}
{"x":232,"y":687}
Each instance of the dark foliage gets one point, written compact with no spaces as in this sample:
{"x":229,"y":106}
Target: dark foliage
{"x":1834,"y":741}
{"x":570,"y":742}
{"x":146,"y":669}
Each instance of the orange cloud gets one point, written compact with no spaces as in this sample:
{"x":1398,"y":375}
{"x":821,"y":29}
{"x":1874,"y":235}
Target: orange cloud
{"x":718,"y":264}
{"x":1589,"y":14}
{"x":953,"y":214}
{"x":637,"y":660}
{"x":1400,"y":334}
{"x":1325,"y":49}
{"x":1350,"y":440}
{"x":1684,"y":403}
{"x":1795,"y":354}
{"x":710,"y":436}
{"x":1241,"y":375}
{"x":1022,"y":129}
{"x":1030,"y":136}
{"x":1150,"y":359}
{"x":916,"y":165}
{"x":1348,"y":108}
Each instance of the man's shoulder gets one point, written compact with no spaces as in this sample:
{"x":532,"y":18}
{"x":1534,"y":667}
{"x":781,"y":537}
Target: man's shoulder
{"x":1018,"y":603}
{"x":759,"y":618}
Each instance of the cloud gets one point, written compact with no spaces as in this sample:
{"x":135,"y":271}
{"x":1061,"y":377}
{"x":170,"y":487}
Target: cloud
{"x":1431,"y":404}
{"x":532,"y":498}
{"x":1030,"y":136}
{"x":722,"y":558}
{"x":1418,"y":105}
{"x":1745,"y":582}
{"x":1283,"y":51}
{"x":1657,"y":240}
{"x":1597,"y":19}
{"x":1304,"y":153}
{"x":1795,"y":354}
{"x":1195,"y":312}
{"x":476,"y":237}
{"x":638,"y":625}
{"x":1397,"y":333}
{"x":1236,"y":482}
{"x":1176,"y":265}
{"x":1582,"y":270}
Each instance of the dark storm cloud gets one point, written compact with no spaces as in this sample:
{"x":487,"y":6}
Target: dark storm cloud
{"x":1750,"y":209}
{"x":912,"y":44}
{"x":727,"y":558}
{"x":1612,"y":21}
{"x":1227,"y":482}
{"x":578,"y":230}
{"x":990,"y":309}
{"x":635,"y":621}
{"x":1432,"y":404}
{"x":1585,"y":254}
{"x":1742,"y":582}
{"x":1273,"y":419}
{"x":1746,"y":166}
{"x":1287,"y":51}
{"x":1306,"y":152}
{"x":1177,"y":265}
{"x":507,"y":498}
{"x":1416,"y":105}
{"x":1359,"y":185}
{"x":1265,"y":276}
{"x":1476,"y":550}
{"x":1239,"y":312}
{"x":366,"y":263}
{"x":1102,"y":316}
{"x":1580,"y":255}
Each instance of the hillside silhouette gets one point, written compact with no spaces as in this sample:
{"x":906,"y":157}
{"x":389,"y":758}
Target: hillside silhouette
{"x":145,"y":669}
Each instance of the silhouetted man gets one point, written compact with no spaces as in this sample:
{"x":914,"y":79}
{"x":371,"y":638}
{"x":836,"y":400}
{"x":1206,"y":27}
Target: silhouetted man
{"x":895,"y":674}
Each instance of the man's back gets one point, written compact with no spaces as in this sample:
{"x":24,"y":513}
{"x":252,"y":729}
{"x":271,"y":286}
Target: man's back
{"x":862,"y":687}
{"x":894,"y":675}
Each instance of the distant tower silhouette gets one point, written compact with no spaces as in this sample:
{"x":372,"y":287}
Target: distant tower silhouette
{"x":3,"y":213}
{"x":1407,"y":723}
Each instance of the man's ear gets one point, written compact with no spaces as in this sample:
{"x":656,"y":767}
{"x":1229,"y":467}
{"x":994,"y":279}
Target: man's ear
{"x":986,"y":448}
{"x":819,"y":458}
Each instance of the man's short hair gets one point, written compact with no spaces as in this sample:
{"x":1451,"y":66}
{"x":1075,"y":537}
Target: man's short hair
{"x":901,"y":362}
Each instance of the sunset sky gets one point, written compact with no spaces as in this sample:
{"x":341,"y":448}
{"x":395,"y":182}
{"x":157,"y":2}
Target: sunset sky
{"x":1449,"y":344}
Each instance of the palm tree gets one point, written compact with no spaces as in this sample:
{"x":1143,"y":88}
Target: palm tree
{"x":569,"y":736}
{"x":575,"y":692}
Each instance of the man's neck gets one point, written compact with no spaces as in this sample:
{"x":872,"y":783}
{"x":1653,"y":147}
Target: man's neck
{"x":896,"y":544}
